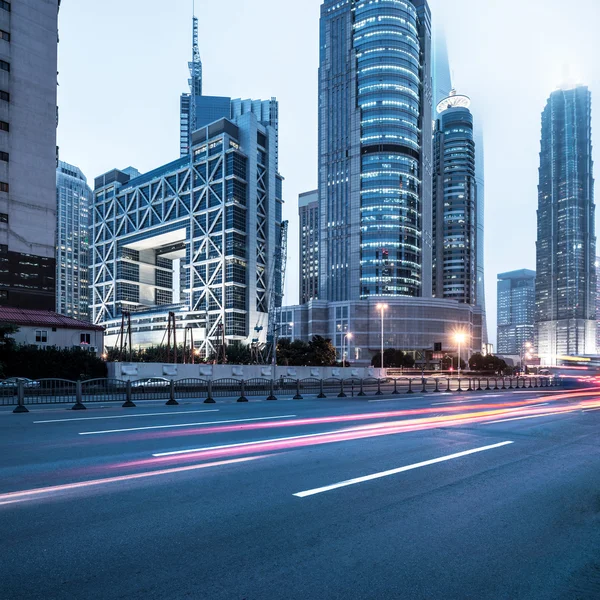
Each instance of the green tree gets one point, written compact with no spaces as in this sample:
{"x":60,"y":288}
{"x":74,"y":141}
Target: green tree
{"x":393,"y":359}
{"x":321,"y":352}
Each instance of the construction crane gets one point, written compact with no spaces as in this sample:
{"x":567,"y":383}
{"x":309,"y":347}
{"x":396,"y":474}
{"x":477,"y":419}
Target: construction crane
{"x":276,"y":287}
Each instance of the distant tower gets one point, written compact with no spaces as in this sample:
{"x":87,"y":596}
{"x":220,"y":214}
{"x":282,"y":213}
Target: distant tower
{"x":74,"y":205}
{"x":516,"y":311}
{"x":308,"y":211}
{"x":455,"y":202}
{"x":566,"y":243}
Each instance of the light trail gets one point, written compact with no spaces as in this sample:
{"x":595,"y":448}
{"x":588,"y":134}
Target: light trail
{"x":13,"y":497}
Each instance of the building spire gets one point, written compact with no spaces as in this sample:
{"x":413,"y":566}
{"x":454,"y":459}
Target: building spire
{"x":195,"y":65}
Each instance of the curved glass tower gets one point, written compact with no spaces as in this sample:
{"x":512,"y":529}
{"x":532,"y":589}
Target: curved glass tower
{"x":455,"y":199}
{"x":387,"y":47}
{"x":375,"y":149}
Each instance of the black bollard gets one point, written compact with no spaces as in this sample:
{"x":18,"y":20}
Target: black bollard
{"x":298,"y":396}
{"x":242,"y":397}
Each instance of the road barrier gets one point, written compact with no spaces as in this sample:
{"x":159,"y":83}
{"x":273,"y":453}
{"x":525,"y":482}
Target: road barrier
{"x":127,"y":393}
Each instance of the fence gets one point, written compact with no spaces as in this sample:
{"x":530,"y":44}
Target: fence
{"x":80,"y":393}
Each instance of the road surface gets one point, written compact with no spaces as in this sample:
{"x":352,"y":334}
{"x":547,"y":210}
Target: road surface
{"x":436,"y":496}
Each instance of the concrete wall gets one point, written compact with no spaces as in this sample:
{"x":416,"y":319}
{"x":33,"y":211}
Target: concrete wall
{"x":133,"y":371}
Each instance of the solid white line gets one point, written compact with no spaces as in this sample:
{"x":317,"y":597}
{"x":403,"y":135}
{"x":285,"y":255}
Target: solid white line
{"x":426,"y":463}
{"x":185,"y":412}
{"x":243,"y":444}
{"x":186,"y":425}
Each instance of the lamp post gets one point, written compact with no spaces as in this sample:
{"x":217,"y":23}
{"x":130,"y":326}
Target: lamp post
{"x":382,"y":308}
{"x":349,"y":336}
{"x":460,"y":338}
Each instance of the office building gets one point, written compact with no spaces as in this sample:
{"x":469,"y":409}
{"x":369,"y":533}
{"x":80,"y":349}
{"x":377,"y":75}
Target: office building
{"x":442,"y":86}
{"x":207,"y":256}
{"x":28,"y":152}
{"x":308,"y":211}
{"x":516,"y":311}
{"x":454,"y":202}
{"x":597,"y":304}
{"x":566,"y":241}
{"x":74,"y":204}
{"x":375,"y":150}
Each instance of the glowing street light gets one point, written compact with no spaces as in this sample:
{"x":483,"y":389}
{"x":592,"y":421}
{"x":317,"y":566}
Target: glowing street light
{"x":460,"y":339}
{"x":382,"y":308}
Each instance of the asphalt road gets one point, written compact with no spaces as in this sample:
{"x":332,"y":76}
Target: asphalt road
{"x":472,"y":496}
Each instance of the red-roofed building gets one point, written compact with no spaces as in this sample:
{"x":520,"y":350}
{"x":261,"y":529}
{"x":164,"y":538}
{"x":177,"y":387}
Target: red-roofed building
{"x":45,"y":329}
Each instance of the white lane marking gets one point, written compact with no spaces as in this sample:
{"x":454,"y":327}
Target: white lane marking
{"x":462,"y":401}
{"x":529,"y":417}
{"x":591,"y":409}
{"x":244,"y":444}
{"x":186,"y":425}
{"x":185,"y":412}
{"x":425,"y":463}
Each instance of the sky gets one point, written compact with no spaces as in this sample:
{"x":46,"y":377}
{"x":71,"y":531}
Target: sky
{"x":123,"y":66}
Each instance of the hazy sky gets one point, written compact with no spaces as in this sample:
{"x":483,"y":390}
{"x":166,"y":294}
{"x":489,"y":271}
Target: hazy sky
{"x":123,"y":65}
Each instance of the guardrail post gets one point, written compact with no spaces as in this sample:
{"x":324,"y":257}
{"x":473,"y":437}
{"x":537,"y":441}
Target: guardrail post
{"x":242,"y":397}
{"x":379,"y":392}
{"x":20,"y":408}
{"x":535,"y":381}
{"x":342,"y":394}
{"x":487,"y":387}
{"x":321,"y":392}
{"x":503,"y":384}
{"x":448,"y":388}
{"x":510,"y":387}
{"x":298,"y":395}
{"x":272,"y":395}
{"x":128,"y":401}
{"x":470,"y":388}
{"x":423,"y":385}
{"x":459,"y":386}
{"x":78,"y":396}
{"x":395,"y":392}
{"x":172,"y":401}
{"x":209,"y":396}
{"x":362,"y":391}
{"x":410,"y":390}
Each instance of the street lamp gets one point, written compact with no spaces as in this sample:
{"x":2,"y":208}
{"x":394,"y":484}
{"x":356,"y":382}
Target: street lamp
{"x":382,"y":308}
{"x":525,"y":353}
{"x":349,"y":336}
{"x":460,"y":339}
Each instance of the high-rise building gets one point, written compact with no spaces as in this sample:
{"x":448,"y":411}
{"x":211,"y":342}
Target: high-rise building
{"x":375,"y":149}
{"x":566,"y":241}
{"x":516,"y":311}
{"x":308,"y":211}
{"x":455,"y":203}
{"x":74,"y":205}
{"x":375,"y":187}
{"x":28,"y":152}
{"x":197,"y":237}
{"x":442,"y":86}
{"x":597,"y":304}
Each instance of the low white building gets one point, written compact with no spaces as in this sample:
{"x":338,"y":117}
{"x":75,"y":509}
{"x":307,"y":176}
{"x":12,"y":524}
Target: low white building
{"x":46,"y":329}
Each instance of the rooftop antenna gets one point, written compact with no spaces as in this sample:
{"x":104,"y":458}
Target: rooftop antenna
{"x":195,"y":66}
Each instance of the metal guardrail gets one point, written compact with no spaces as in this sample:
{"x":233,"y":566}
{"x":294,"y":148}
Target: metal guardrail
{"x":79,"y":393}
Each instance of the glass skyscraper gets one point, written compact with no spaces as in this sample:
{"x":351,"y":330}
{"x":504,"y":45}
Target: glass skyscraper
{"x":566,"y":244}
{"x":375,"y":149}
{"x":455,"y":203}
{"x":73,"y":203}
{"x":516,"y":311}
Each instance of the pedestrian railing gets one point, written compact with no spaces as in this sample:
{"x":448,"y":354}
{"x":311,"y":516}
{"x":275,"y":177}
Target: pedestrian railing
{"x":79,"y":393}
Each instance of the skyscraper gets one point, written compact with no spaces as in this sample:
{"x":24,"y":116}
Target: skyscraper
{"x":516,"y":311}
{"x":74,"y":203}
{"x":455,"y":203}
{"x":28,"y":152}
{"x":308,"y":211}
{"x":375,"y":149}
{"x":566,"y":242}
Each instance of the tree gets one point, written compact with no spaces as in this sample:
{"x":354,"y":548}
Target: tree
{"x":490,"y":363}
{"x":238,"y":354}
{"x":321,"y":352}
{"x":393,"y":359}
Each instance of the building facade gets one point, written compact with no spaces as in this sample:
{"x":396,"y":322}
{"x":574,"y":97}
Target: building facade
{"x":196,"y":237}
{"x":28,"y":152}
{"x":74,"y":204}
{"x":308,"y":211}
{"x":47,"y":329}
{"x":566,"y":241}
{"x":516,"y":311}
{"x":455,"y":203}
{"x":375,"y":149}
